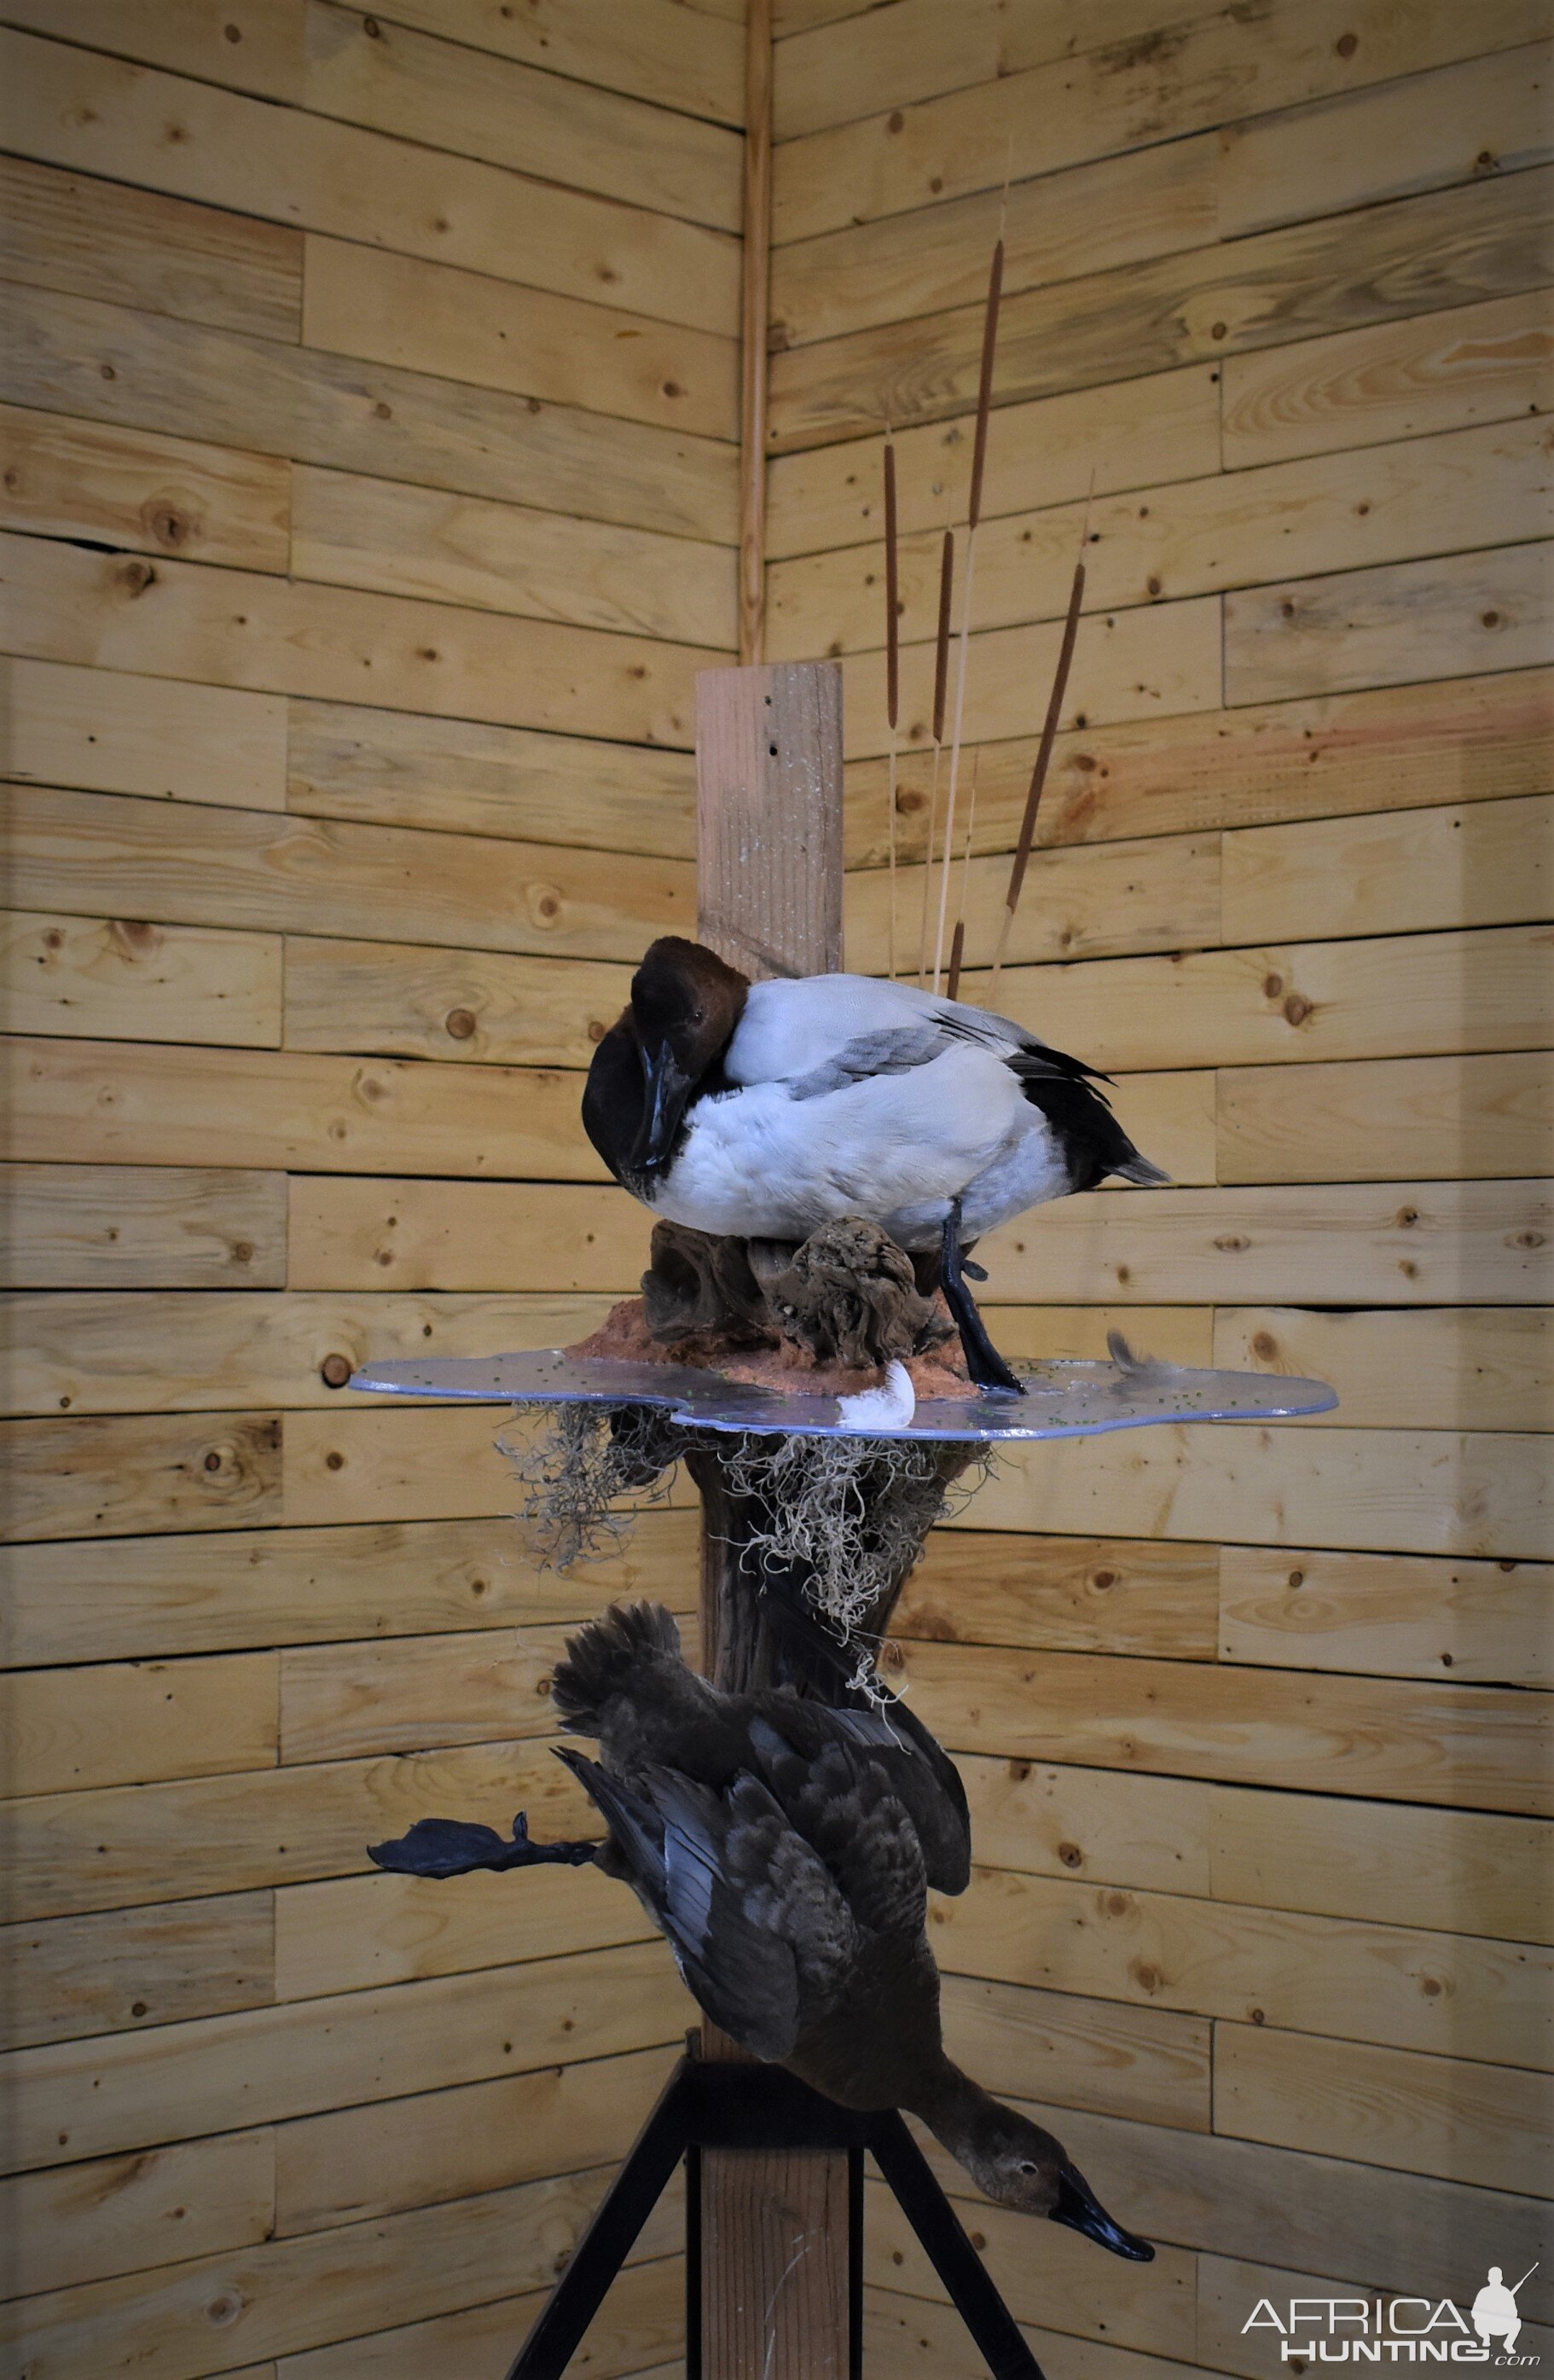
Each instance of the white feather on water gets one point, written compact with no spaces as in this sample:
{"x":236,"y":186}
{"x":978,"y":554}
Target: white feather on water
{"x":890,"y":1406}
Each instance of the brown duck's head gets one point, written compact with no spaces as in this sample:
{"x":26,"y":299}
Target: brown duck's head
{"x":685,"y":1006}
{"x":1018,"y":2165}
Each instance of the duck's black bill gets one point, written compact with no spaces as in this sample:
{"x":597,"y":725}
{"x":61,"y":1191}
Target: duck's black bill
{"x":668,"y":1089}
{"x":1078,"y":2206}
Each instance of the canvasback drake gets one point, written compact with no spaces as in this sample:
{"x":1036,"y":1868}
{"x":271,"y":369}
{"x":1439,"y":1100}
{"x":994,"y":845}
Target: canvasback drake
{"x":785,"y":1849}
{"x":761,"y":1111}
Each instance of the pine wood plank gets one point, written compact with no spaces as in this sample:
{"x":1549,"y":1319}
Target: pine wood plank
{"x":924,"y":2341}
{"x":1101,"y":1824}
{"x":108,"y":732}
{"x":1118,"y":211}
{"x":418,"y":1235}
{"x":1182,"y":1334}
{"x":285,"y":636}
{"x":136,"y":1722}
{"x":398,"y":541}
{"x":1457,"y":490}
{"x":644,"y":2314}
{"x":1399,"y":1245}
{"x":1463,"y":2121}
{"x":293,"y":2295}
{"x":1481,"y":115}
{"x":1154,"y":2307}
{"x":1484,"y":1622}
{"x":1038,"y":117}
{"x":398,"y":1462}
{"x":111,"y":977}
{"x":128,"y":1845}
{"x":336,"y":412}
{"x":130,"y":490}
{"x":1312,"y":2213}
{"x":640,"y":46}
{"x":201,"y":1352}
{"x":391,"y":769}
{"x":506,"y":112}
{"x":1454,"y":1367}
{"x":104,"y":239}
{"x":1328,"y":756}
{"x":1093,"y":899}
{"x":1149,"y":2063}
{"x":150,"y":1103}
{"x":359,"y":1932}
{"x":422,"y":315}
{"x":477,"y":1006}
{"x":1477,"y":1494}
{"x":1484,"y":990}
{"x":1156,"y":658}
{"x":1448,"y":248}
{"x":198,"y":864}
{"x":1387,"y":1117}
{"x":95,"y":115}
{"x":121,"y":1968}
{"x":1388,"y":626}
{"x":974,"y":1588}
{"x":116,"y":1227}
{"x":339,"y":1702}
{"x":133,"y":1599}
{"x":356,"y":2163}
{"x":81,"y":2223}
{"x":120,"y":1477}
{"x":1391,"y":1739}
{"x":186,"y":35}
{"x":1461,"y":1871}
{"x":1390,"y":380}
{"x":833,"y":74}
{"x":260,"y":2065}
{"x":1319,"y":1976}
{"x":1044,"y":454}
{"x":1479,"y":864}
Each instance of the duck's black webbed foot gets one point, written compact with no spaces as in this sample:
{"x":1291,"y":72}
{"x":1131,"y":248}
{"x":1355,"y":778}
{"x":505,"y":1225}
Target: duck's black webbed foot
{"x":983,"y":1361}
{"x":455,"y":1846}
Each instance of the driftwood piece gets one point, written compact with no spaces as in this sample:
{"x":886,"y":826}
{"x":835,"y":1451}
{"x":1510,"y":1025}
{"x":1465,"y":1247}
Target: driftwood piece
{"x":847,"y":1295}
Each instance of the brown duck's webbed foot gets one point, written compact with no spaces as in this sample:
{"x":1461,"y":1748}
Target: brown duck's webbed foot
{"x":983,"y":1361}
{"x":453,"y":1846}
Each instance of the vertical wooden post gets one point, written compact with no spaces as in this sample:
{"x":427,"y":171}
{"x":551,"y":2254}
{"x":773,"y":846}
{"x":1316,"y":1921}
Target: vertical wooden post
{"x":754,"y":310}
{"x":775,"y":2223}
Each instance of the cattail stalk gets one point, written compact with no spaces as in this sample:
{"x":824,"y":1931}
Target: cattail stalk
{"x":957,"y":947}
{"x":1043,"y":759}
{"x":974,"y":514}
{"x":892,"y":660}
{"x":941,"y":683}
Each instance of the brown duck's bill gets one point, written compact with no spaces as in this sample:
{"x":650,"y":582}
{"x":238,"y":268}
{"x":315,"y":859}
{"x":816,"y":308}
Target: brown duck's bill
{"x":668,"y":1089}
{"x":1078,"y":2206}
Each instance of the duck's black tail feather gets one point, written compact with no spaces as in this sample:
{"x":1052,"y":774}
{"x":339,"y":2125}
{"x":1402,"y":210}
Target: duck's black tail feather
{"x":1092,"y":1140}
{"x":606,"y":1659}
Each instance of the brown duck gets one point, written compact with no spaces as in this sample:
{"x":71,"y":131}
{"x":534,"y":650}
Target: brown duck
{"x":785,"y":1849}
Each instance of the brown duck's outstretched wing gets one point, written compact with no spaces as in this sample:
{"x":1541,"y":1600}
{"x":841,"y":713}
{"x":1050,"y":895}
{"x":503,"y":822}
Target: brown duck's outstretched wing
{"x":757,"y":1928}
{"x":843,"y":1806}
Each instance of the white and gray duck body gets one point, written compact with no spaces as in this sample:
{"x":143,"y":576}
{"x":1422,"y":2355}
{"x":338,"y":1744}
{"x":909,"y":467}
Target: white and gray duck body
{"x":785,"y":1849}
{"x":763,"y":1110}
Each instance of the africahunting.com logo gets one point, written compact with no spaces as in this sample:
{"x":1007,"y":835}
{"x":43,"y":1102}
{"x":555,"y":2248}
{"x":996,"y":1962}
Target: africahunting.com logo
{"x":1399,"y":2330}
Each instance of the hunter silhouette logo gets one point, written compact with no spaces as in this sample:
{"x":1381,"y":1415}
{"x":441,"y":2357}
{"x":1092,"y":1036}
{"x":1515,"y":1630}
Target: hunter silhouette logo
{"x":1399,"y":2330}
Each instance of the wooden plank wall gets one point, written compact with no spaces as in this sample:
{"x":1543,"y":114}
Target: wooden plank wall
{"x":1249,"y":1716}
{"x":368,"y":404}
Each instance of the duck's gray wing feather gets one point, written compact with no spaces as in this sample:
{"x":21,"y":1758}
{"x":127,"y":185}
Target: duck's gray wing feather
{"x":843,"y":1804}
{"x":897,"y":1048}
{"x":921,"y":1772}
{"x":758,"y":1930}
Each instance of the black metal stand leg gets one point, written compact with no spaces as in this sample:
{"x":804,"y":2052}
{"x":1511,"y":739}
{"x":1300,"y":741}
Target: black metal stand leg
{"x":938,"y":2227}
{"x":610,"y":2238}
{"x":983,"y":1361}
{"x":764,"y":2107}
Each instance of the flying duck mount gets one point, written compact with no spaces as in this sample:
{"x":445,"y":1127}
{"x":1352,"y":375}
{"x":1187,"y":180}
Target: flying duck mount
{"x":774,"y":2241}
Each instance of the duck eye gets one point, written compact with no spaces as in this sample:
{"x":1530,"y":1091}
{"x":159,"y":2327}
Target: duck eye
{"x":1027,"y":2167}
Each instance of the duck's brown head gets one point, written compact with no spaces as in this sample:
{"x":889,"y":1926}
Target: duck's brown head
{"x":1016,"y":2164}
{"x":685,"y":1006}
